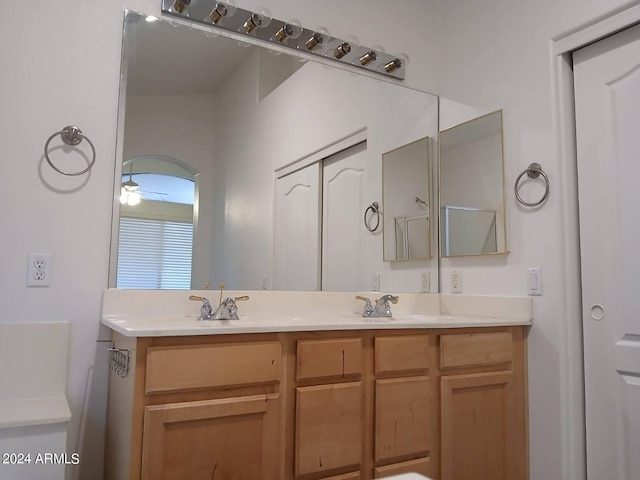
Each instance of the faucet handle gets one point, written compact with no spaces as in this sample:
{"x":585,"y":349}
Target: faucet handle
{"x":205,"y":309}
{"x":368,"y":307}
{"x":241,"y":299}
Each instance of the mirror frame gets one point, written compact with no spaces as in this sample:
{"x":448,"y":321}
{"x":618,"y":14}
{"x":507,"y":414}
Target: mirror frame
{"x":504,"y":236}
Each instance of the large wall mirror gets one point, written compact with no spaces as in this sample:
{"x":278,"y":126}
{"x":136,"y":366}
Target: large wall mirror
{"x":284,"y":154}
{"x":472,"y":194}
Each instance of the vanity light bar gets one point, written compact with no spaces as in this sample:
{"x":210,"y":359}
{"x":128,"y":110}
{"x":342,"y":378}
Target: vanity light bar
{"x":224,"y":15}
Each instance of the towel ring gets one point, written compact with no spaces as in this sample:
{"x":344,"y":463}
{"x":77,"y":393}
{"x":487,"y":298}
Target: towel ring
{"x":534,"y":170}
{"x":375,"y":209}
{"x":71,"y":136}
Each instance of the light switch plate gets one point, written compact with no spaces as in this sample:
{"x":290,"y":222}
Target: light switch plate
{"x":534,"y":281}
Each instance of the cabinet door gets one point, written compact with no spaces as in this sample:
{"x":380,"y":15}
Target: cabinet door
{"x":478,"y":427}
{"x":402,"y":418}
{"x":328,"y":428}
{"x":227,"y":438}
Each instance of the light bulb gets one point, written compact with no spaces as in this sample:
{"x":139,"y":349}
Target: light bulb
{"x":133,"y":199}
{"x":341,"y":50}
{"x":396,"y":63}
{"x":370,"y":56}
{"x":123,"y":195}
{"x":181,"y":5}
{"x":259,"y":19}
{"x":345,"y":47}
{"x":320,"y":37}
{"x":291,"y":29}
{"x":222,"y":9}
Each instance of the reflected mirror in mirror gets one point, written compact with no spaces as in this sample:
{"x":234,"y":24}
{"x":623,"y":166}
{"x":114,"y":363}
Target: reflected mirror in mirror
{"x":285,"y":154}
{"x":406,"y":201}
{"x":472,"y":194}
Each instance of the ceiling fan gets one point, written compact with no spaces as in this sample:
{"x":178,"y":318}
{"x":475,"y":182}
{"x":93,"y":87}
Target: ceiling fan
{"x":130,"y":193}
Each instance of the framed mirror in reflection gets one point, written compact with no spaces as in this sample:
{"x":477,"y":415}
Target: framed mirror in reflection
{"x":472,"y":194}
{"x":407,"y":202}
{"x":284,"y":154}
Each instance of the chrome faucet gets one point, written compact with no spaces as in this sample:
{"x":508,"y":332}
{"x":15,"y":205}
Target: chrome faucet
{"x":381,"y":307}
{"x":227,"y":310}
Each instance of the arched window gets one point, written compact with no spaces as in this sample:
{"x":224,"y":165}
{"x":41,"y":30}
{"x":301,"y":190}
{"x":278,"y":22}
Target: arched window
{"x":155,"y":241}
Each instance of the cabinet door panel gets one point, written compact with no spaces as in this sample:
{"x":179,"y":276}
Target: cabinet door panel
{"x":402,"y":417}
{"x":226,"y":438}
{"x":419,"y":465}
{"x":346,"y":476}
{"x":477,"y":427}
{"x":328,"y":427}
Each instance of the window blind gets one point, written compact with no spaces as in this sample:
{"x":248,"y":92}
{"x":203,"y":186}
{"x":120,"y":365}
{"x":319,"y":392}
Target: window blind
{"x":154,"y":254}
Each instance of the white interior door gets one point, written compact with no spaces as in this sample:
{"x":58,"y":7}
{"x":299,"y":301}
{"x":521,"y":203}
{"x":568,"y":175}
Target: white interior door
{"x":297,"y":255}
{"x":607,"y":92}
{"x":347,"y":191}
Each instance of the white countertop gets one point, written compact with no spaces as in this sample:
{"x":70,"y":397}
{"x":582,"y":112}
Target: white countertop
{"x":167,"y":313}
{"x":155,"y":326}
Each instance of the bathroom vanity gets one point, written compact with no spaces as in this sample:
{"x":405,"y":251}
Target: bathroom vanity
{"x":333,"y":396}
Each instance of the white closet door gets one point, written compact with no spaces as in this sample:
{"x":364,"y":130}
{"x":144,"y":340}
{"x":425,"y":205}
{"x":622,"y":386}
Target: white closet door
{"x":347,"y":185}
{"x":607,"y":92}
{"x":297,"y":255}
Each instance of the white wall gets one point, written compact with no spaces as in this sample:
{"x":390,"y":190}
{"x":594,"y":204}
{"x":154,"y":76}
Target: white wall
{"x":60,"y":66}
{"x":495,"y":55}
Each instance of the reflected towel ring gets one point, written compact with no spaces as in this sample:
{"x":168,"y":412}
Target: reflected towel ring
{"x":375,"y":209}
{"x":534,"y":170}
{"x":71,"y":136}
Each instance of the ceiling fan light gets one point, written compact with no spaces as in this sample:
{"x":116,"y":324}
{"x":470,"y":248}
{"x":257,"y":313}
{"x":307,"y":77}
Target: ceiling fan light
{"x":133,"y":199}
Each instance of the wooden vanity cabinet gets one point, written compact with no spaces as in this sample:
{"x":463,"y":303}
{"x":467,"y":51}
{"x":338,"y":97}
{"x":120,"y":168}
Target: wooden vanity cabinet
{"x":333,"y":405}
{"x":404,"y":423}
{"x":483,"y":405}
{"x":201,"y":408}
{"x":329,"y":406}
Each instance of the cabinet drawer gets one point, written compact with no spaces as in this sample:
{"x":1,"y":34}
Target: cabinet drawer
{"x":341,"y":357}
{"x":475,"y":349}
{"x":395,"y":354}
{"x":207,"y":366}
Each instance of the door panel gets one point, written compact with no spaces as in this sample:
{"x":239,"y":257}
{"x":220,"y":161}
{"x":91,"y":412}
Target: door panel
{"x":346,"y":190}
{"x":607,"y":91}
{"x":297,"y":256}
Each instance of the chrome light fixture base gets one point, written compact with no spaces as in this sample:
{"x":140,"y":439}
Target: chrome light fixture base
{"x":309,"y":41}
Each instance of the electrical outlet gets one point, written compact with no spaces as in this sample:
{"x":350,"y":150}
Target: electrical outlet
{"x":39,"y":270}
{"x":425,"y":282}
{"x":456,"y":282}
{"x":375,"y":282}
